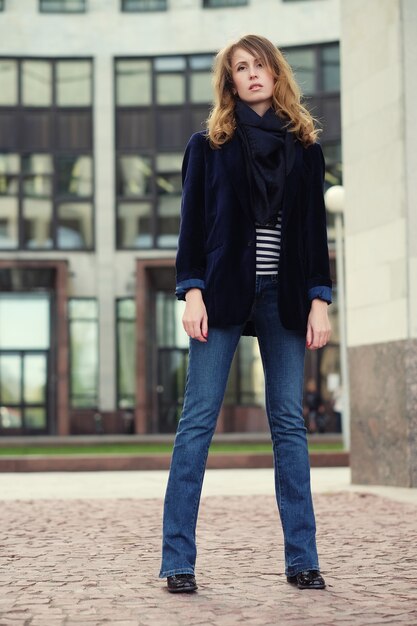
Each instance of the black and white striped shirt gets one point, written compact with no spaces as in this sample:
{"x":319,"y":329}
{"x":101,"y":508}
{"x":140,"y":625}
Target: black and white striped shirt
{"x":268,"y":246}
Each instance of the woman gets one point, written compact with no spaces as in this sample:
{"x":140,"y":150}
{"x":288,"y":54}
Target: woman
{"x":252,"y":259}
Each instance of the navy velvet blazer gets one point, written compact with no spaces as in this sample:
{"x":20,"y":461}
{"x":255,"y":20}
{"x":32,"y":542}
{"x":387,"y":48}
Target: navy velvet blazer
{"x":217,"y":240}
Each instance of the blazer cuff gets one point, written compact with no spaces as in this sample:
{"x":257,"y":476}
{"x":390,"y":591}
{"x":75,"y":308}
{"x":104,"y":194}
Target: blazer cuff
{"x":191,"y":283}
{"x":322,"y":292}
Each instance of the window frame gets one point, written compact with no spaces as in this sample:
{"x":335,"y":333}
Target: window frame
{"x":54,"y":111}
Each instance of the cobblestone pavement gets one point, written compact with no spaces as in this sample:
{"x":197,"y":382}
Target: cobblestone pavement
{"x":93,"y":562}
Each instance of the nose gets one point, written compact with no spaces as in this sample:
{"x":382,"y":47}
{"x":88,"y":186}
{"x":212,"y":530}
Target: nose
{"x":253,"y":73}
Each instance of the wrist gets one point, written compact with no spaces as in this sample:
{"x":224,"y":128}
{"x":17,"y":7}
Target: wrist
{"x":317,"y":302}
{"x":193,"y":294}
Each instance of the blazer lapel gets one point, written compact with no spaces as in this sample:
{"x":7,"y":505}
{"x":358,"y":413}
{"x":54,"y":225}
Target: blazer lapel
{"x":234,"y":163}
{"x":292,"y":183}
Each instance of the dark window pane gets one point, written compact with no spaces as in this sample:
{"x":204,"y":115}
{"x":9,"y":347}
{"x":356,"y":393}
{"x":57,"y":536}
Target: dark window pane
{"x":8,"y":82}
{"x":144,"y":5}
{"x":331,"y":68}
{"x":303,"y":63}
{"x":134,"y":176}
{"x":210,"y":4}
{"x":134,"y":129}
{"x":75,"y":225}
{"x":134,"y":225}
{"x":37,"y":83}
{"x":75,"y":176}
{"x":75,"y":131}
{"x":63,"y":6}
{"x":133,"y":82}
{"x":74,"y":82}
{"x":37,"y":223}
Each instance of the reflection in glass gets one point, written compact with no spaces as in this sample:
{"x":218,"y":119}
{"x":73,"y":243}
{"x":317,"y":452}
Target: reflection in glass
{"x":75,"y":225}
{"x":75,"y":175}
{"x":73,"y":80}
{"x":134,"y":225}
{"x":134,"y":176}
{"x":35,"y":417}
{"x":303,"y":63}
{"x":169,"y":329}
{"x":8,"y":223}
{"x":62,"y":6}
{"x":201,"y":62}
{"x":331,"y":68}
{"x":200,"y":88}
{"x":10,"y":378}
{"x":170,"y":88}
{"x":169,"y":162}
{"x":169,"y":201}
{"x":15,"y":332}
{"x":83,"y":308}
{"x":84,"y":363}
{"x":34,"y":376}
{"x":170,"y":64}
{"x":126,"y":347}
{"x":10,"y":417}
{"x":9,"y":164}
{"x":37,"y":83}
{"x":37,"y":164}
{"x":8,"y":82}
{"x":37,"y":222}
{"x":133,"y":83}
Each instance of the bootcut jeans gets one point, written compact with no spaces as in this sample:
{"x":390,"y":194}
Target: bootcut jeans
{"x":282,"y":353}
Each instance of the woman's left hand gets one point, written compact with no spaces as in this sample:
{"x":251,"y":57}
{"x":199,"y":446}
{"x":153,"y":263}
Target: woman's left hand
{"x":318,"y":325}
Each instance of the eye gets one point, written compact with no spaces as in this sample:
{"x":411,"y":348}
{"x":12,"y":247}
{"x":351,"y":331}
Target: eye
{"x":240,"y":67}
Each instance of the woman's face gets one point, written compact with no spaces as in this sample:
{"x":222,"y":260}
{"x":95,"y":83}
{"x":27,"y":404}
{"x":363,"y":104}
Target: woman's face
{"x":253,"y":80}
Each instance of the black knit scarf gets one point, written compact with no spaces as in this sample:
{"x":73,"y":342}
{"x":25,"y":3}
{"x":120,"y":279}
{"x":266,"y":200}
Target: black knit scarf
{"x":269,"y":155}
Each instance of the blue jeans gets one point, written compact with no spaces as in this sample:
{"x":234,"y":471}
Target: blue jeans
{"x":282,"y":353}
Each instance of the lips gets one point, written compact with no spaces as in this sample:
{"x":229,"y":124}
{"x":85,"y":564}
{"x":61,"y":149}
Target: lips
{"x":255,"y":85}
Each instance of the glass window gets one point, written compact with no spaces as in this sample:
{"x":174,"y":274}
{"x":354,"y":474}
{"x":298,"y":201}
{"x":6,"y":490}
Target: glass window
{"x":75,"y":221}
{"x":75,"y":176}
{"x":10,"y":377}
{"x":1,"y":5}
{"x":168,"y":181}
{"x":8,"y":81}
{"x":83,"y":331}
{"x":126,"y":352}
{"x":134,"y":225}
{"x":170,"y":80}
{"x":37,"y":83}
{"x":37,"y":172}
{"x":73,"y":83}
{"x":144,"y":5}
{"x":331,"y":68}
{"x":62,"y":6}
{"x":133,"y":83}
{"x":34,"y":376}
{"x":201,"y":89}
{"x":303,"y":63}
{"x":212,"y":4}
{"x":37,"y":223}
{"x":15,"y":332}
{"x":9,"y":231}
{"x":134,"y":176}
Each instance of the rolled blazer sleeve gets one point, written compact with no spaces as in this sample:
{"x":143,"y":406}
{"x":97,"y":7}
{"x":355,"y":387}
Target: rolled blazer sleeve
{"x":319,"y":284}
{"x":191,"y":259}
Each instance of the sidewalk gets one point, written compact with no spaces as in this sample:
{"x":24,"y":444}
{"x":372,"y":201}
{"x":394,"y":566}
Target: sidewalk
{"x":84,"y":549}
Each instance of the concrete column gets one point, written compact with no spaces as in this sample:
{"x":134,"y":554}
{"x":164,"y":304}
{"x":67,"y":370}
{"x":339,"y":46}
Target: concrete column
{"x":105,"y":220}
{"x":379,"y":91}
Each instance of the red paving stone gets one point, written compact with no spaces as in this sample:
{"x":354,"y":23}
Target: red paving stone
{"x":81,"y":562}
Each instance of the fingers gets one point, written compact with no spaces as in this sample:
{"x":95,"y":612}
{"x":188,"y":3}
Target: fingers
{"x":317,"y":338}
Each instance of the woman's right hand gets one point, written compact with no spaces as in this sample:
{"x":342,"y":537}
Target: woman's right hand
{"x":195,"y":320}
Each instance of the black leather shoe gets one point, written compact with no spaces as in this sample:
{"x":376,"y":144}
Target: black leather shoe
{"x":181,"y":583}
{"x":307,"y":579}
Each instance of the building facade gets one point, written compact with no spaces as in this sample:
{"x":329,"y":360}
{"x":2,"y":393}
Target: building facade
{"x":98,"y":99}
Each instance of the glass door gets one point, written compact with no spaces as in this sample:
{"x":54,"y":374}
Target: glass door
{"x":24,"y":363}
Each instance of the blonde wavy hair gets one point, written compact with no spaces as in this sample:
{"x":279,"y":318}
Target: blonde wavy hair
{"x":286,"y":97}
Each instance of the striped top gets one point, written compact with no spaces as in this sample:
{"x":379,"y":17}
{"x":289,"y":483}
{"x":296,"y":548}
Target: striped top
{"x":268,"y":246}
